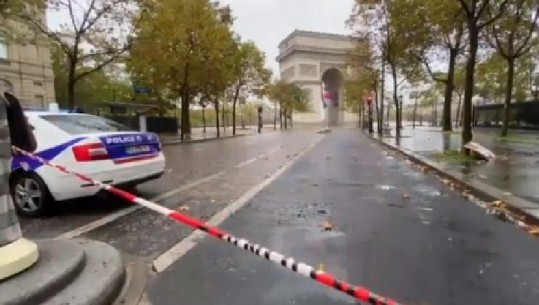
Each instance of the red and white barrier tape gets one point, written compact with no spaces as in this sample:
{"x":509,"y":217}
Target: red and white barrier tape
{"x":359,"y":293}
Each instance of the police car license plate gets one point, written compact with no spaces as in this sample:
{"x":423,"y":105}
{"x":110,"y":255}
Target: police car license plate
{"x":132,"y":150}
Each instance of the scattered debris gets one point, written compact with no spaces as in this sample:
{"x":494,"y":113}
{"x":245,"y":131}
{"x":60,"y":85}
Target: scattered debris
{"x":184,"y":208}
{"x":406,"y":196}
{"x":322,"y":212}
{"x":479,"y":151}
{"x":327,"y":225}
{"x":482,"y":176}
{"x":534,"y":231}
{"x":320,"y":267}
{"x":385,"y":187}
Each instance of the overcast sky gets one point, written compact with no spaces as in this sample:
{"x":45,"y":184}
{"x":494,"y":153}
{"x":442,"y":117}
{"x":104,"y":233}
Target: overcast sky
{"x":267,"y":22}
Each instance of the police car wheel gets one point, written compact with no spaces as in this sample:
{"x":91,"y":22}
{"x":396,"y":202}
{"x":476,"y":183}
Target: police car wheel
{"x":30,"y":194}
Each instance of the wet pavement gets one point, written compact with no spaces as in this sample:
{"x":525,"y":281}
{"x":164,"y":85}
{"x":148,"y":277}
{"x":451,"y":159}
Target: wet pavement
{"x":397,"y":231}
{"x":516,"y":171}
{"x":202,"y":176}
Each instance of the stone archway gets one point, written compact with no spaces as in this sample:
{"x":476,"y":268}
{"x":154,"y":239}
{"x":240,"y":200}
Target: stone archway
{"x":332,"y":84}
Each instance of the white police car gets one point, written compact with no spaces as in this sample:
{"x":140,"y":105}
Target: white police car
{"x":92,"y":145}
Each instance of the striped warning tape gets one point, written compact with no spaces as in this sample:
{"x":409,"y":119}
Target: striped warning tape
{"x":359,"y":293}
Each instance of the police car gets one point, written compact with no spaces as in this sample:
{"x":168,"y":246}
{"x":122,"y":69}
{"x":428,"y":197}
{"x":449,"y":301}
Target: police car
{"x":103,"y":149}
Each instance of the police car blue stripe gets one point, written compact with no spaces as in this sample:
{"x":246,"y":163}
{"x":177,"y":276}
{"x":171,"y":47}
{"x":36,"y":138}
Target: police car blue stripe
{"x":48,"y":154}
{"x":131,"y":145}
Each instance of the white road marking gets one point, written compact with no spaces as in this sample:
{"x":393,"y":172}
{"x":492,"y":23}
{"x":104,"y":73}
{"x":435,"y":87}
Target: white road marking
{"x":116,"y":215}
{"x":242,"y":164}
{"x":166,"y":259}
{"x":259,"y":157}
{"x":112,"y":217}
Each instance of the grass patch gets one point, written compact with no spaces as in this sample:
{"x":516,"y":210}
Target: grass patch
{"x":452,"y":155}
{"x":517,"y":139}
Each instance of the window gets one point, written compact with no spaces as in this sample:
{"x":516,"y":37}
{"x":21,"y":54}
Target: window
{"x":38,"y":84}
{"x":3,"y":50}
{"x":84,"y":123}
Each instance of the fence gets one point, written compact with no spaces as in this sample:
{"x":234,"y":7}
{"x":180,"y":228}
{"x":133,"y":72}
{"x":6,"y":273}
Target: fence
{"x":523,"y":115}
{"x":153,"y":124}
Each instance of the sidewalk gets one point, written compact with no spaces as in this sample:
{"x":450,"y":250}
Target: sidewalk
{"x":198,"y":134}
{"x":516,"y":172}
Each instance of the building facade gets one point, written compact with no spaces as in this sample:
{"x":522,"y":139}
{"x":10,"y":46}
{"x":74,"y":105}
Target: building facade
{"x":26,"y":71}
{"x":316,"y":62}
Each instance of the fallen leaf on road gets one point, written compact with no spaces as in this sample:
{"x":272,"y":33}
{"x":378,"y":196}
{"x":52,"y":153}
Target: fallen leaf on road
{"x":320,"y":268}
{"x":183,"y":208}
{"x":534,"y":231}
{"x":482,"y":176}
{"x":498,"y":204}
{"x":445,"y":181}
{"x":406,"y":196}
{"x":327,"y":225}
{"x":507,"y":194}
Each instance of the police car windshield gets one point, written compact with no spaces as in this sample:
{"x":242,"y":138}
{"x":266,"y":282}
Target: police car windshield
{"x":82,"y":123}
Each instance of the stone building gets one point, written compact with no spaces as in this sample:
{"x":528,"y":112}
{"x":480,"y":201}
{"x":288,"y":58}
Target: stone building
{"x":26,"y":71}
{"x":316,"y":62}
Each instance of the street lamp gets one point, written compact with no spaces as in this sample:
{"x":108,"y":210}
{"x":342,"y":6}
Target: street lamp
{"x":369,"y":105}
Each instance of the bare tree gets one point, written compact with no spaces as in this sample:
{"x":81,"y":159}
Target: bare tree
{"x":98,"y":33}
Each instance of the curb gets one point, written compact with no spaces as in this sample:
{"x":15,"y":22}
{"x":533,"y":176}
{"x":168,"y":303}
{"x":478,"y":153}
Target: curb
{"x":524,"y":210}
{"x":177,"y":142}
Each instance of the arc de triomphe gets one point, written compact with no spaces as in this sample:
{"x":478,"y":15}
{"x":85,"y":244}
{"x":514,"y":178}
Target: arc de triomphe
{"x":316,"y":62}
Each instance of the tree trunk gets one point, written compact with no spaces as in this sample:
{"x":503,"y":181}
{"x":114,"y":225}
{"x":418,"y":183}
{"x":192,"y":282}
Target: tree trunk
{"x":185,"y":121}
{"x":285,"y":115}
{"x":508,"y":96}
{"x":71,"y":83}
{"x":382,"y":97}
{"x":473,"y":34}
{"x":275,"y":117}
{"x":458,"y":114}
{"x":414,"y":113}
{"x":243,"y":117}
{"x":449,"y":88}
{"x":236,"y":94}
{"x":216,"y":107}
{"x":223,"y":114}
{"x":378,"y":125}
{"x":204,"y":119}
{"x":396,"y":102}
{"x":280,"y":117}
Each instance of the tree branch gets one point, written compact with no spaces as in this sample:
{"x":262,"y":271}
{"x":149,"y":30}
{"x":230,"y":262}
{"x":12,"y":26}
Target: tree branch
{"x":100,"y":65}
{"x":526,"y":45}
{"x":499,"y":13}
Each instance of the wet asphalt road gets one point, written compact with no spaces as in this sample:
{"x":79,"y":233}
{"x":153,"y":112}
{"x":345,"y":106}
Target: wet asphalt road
{"x":236,"y":165}
{"x":396,"y":231}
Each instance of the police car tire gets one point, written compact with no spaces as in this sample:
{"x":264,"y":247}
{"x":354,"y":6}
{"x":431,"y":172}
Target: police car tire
{"x":46,"y":198}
